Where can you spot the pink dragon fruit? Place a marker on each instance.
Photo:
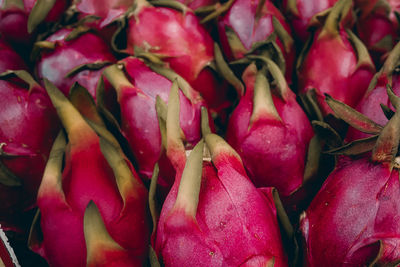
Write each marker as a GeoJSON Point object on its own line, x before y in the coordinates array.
{"type": "Point", "coordinates": [213, 215]}
{"type": "Point", "coordinates": [89, 167]}
{"type": "Point", "coordinates": [137, 87]}
{"type": "Point", "coordinates": [261, 25]}
{"type": "Point", "coordinates": [19, 18]}
{"type": "Point", "coordinates": [198, 4]}
{"type": "Point", "coordinates": [44, 11]}
{"type": "Point", "coordinates": [10, 197]}
{"type": "Point", "coordinates": [101, 16]}
{"type": "Point", "coordinates": [366, 6]}
{"type": "Point", "coordinates": [178, 39]}
{"type": "Point", "coordinates": [302, 14]}
{"type": "Point", "coordinates": [370, 104]}
{"type": "Point", "coordinates": [66, 59]}
{"type": "Point", "coordinates": [377, 31]}
{"type": "Point", "coordinates": [13, 22]}
{"type": "Point", "coordinates": [392, 6]}
{"type": "Point", "coordinates": [353, 220]}
{"type": "Point", "coordinates": [10, 60]}
{"type": "Point", "coordinates": [102, 250]}
{"type": "Point", "coordinates": [28, 126]}
{"type": "Point", "coordinates": [107, 11]}
{"type": "Point", "coordinates": [335, 62]}
{"type": "Point", "coordinates": [395, 9]}
{"type": "Point", "coordinates": [270, 131]}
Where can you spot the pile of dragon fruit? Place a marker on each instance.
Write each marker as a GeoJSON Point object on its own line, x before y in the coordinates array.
{"type": "Point", "coordinates": [199, 133]}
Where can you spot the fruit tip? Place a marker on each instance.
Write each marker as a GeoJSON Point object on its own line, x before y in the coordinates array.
{"type": "Point", "coordinates": [189, 187]}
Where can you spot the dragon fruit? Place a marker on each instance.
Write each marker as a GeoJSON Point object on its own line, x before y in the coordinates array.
{"type": "Point", "coordinates": [270, 131]}
{"type": "Point", "coordinates": [10, 60]}
{"type": "Point", "coordinates": [302, 14]}
{"type": "Point", "coordinates": [261, 28]}
{"type": "Point", "coordinates": [107, 11]}
{"type": "Point", "coordinates": [10, 197]}
{"type": "Point", "coordinates": [335, 62]}
{"type": "Point", "coordinates": [90, 166]}
{"type": "Point", "coordinates": [395, 9]}
{"type": "Point", "coordinates": [392, 6]}
{"type": "Point", "coordinates": [44, 11]}
{"type": "Point", "coordinates": [213, 214]}
{"type": "Point", "coordinates": [28, 126]}
{"type": "Point", "coordinates": [137, 87]}
{"type": "Point", "coordinates": [177, 38]}
{"type": "Point", "coordinates": [370, 104]}
{"type": "Point", "coordinates": [102, 250]}
{"type": "Point", "coordinates": [19, 18]}
{"type": "Point", "coordinates": [353, 220]}
{"type": "Point", "coordinates": [70, 56]}
{"type": "Point", "coordinates": [198, 4]}
{"type": "Point", "coordinates": [102, 17]}
{"type": "Point", "coordinates": [13, 22]}
{"type": "Point", "coordinates": [377, 30]}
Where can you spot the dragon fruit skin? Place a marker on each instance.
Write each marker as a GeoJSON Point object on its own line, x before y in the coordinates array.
{"type": "Point", "coordinates": [347, 85]}
{"type": "Point", "coordinates": [395, 7]}
{"type": "Point", "coordinates": [378, 32]}
{"type": "Point", "coordinates": [26, 138]}
{"type": "Point", "coordinates": [370, 106]}
{"type": "Point", "coordinates": [56, 63]}
{"type": "Point", "coordinates": [353, 220]}
{"type": "Point", "coordinates": [107, 11]}
{"type": "Point", "coordinates": [250, 30]}
{"type": "Point", "coordinates": [95, 170]}
{"type": "Point", "coordinates": [14, 19]}
{"type": "Point", "coordinates": [192, 38]}
{"type": "Point", "coordinates": [54, 13]}
{"type": "Point", "coordinates": [301, 12]}
{"type": "Point", "coordinates": [195, 4]}
{"type": "Point", "coordinates": [10, 197]}
{"type": "Point", "coordinates": [30, 133]}
{"type": "Point", "coordinates": [371, 38]}
{"type": "Point", "coordinates": [10, 59]}
{"type": "Point", "coordinates": [213, 214]}
{"type": "Point", "coordinates": [102, 248]}
{"type": "Point", "coordinates": [376, 94]}
{"type": "Point", "coordinates": [181, 42]}
{"type": "Point", "coordinates": [268, 144]}
{"type": "Point", "coordinates": [387, 7]}
{"type": "Point", "coordinates": [139, 119]}
{"type": "Point", "coordinates": [214, 234]}
{"type": "Point", "coordinates": [336, 63]}
{"type": "Point", "coordinates": [154, 84]}
{"type": "Point", "coordinates": [353, 216]}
